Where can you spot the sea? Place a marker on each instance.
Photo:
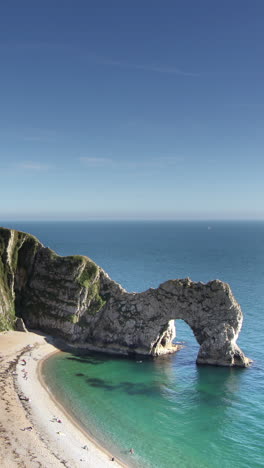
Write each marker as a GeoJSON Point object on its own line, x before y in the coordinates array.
{"type": "Point", "coordinates": [172, 412]}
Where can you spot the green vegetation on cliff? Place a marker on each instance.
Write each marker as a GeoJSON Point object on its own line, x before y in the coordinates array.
{"type": "Point", "coordinates": [7, 320]}
{"type": "Point", "coordinates": [89, 278]}
{"type": "Point", "coordinates": [7, 315]}
{"type": "Point", "coordinates": [44, 288]}
{"type": "Point", "coordinates": [17, 252]}
{"type": "Point", "coordinates": [89, 273]}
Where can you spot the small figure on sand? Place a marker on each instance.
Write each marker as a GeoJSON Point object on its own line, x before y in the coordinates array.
{"type": "Point", "coordinates": [23, 362]}
{"type": "Point", "coordinates": [131, 451]}
{"type": "Point", "coordinates": [22, 397]}
{"type": "Point", "coordinates": [56, 419]}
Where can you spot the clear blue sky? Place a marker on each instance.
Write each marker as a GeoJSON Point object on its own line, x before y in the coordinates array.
{"type": "Point", "coordinates": [132, 109]}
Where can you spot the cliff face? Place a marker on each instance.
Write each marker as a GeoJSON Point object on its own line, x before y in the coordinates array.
{"type": "Point", "coordinates": [73, 298]}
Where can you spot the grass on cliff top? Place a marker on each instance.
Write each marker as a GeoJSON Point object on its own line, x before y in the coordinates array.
{"type": "Point", "coordinates": [88, 274]}
{"type": "Point", "coordinates": [5, 234]}
{"type": "Point", "coordinates": [19, 239]}
{"type": "Point", "coordinates": [89, 271]}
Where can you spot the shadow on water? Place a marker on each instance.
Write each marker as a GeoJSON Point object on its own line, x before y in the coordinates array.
{"type": "Point", "coordinates": [130, 388]}
{"type": "Point", "coordinates": [216, 386]}
{"type": "Point", "coordinates": [98, 357]}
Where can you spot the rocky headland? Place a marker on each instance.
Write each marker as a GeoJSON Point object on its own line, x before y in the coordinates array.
{"type": "Point", "coordinates": [73, 298]}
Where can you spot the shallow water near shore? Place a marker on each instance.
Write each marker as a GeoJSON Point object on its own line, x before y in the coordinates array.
{"type": "Point", "coordinates": [170, 411]}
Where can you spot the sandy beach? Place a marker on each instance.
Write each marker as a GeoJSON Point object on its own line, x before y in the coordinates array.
{"type": "Point", "coordinates": [35, 431]}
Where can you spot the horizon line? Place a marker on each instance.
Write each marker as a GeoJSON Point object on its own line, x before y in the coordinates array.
{"type": "Point", "coordinates": [131, 219]}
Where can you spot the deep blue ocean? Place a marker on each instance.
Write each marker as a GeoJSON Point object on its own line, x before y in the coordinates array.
{"type": "Point", "coordinates": [172, 412]}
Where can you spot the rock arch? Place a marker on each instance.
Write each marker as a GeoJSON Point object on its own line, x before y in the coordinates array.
{"type": "Point", "coordinates": [144, 322]}
{"type": "Point", "coordinates": [73, 298]}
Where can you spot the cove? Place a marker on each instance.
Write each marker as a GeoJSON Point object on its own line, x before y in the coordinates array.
{"type": "Point", "coordinates": [203, 416]}
{"type": "Point", "coordinates": [172, 412]}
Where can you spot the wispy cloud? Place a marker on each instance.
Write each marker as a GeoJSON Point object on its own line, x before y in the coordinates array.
{"type": "Point", "coordinates": [147, 163]}
{"type": "Point", "coordinates": [154, 163]}
{"type": "Point", "coordinates": [147, 67]}
{"type": "Point", "coordinates": [38, 134]}
{"type": "Point", "coordinates": [33, 166]}
{"type": "Point", "coordinates": [29, 134]}
{"type": "Point", "coordinates": [170, 159]}
{"type": "Point", "coordinates": [94, 162]}
{"type": "Point", "coordinates": [93, 57]}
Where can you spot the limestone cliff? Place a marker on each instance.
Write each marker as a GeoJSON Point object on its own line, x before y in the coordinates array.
{"type": "Point", "coordinates": [73, 298]}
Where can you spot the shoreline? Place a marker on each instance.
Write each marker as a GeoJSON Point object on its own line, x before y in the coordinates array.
{"type": "Point", "coordinates": [30, 432]}
{"type": "Point", "coordinates": [71, 417]}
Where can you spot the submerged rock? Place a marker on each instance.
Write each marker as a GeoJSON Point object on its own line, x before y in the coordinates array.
{"type": "Point", "coordinates": [75, 299]}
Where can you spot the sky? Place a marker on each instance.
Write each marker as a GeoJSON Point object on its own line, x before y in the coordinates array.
{"type": "Point", "coordinates": [121, 109]}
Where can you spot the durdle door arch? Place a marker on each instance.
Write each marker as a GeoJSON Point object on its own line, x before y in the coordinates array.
{"type": "Point", "coordinates": [73, 298]}
{"type": "Point", "coordinates": [211, 311]}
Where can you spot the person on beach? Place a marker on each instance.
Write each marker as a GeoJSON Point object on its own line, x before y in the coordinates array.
{"type": "Point", "coordinates": [56, 419]}
{"type": "Point", "coordinates": [131, 451]}
{"type": "Point", "coordinates": [21, 397]}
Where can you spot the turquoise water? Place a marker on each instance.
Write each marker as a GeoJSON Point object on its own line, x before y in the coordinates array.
{"type": "Point", "coordinates": [170, 411]}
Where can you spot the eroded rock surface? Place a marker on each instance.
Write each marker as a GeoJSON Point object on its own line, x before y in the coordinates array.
{"type": "Point", "coordinates": [73, 298]}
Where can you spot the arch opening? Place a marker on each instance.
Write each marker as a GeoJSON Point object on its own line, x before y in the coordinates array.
{"type": "Point", "coordinates": [185, 334]}
{"type": "Point", "coordinates": [178, 334]}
